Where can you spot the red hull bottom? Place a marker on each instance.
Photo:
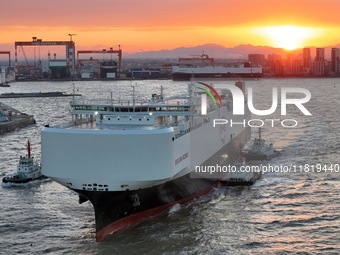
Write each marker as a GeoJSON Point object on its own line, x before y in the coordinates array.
{"type": "Point", "coordinates": [135, 218]}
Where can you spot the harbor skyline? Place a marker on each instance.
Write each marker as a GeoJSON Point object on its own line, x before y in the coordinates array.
{"type": "Point", "coordinates": [153, 25]}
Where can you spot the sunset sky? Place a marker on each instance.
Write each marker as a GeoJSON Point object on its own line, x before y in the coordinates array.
{"type": "Point", "coordinates": [143, 25]}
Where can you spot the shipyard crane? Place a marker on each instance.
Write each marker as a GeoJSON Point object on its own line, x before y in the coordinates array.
{"type": "Point", "coordinates": [23, 52]}
{"type": "Point", "coordinates": [9, 57]}
{"type": "Point", "coordinates": [104, 51]}
{"type": "Point", "coordinates": [69, 45]}
{"type": "Point", "coordinates": [70, 35]}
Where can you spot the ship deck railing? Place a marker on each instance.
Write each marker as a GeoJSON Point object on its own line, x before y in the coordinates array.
{"type": "Point", "coordinates": [91, 124]}
{"type": "Point", "coordinates": [174, 100]}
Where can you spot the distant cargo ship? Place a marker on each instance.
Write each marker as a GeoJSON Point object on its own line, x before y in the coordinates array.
{"type": "Point", "coordinates": [215, 72]}
{"type": "Point", "coordinates": [203, 67]}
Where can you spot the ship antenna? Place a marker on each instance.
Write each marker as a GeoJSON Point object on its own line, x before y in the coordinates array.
{"type": "Point", "coordinates": [133, 96]}
{"type": "Point", "coordinates": [241, 151]}
{"type": "Point", "coordinates": [74, 92]}
{"type": "Point", "coordinates": [28, 149]}
{"type": "Point", "coordinates": [259, 133]}
{"type": "Point", "coordinates": [162, 92]}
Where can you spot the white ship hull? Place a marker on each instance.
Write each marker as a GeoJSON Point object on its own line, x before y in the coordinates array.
{"type": "Point", "coordinates": [130, 169]}
{"type": "Point", "coordinates": [113, 159]}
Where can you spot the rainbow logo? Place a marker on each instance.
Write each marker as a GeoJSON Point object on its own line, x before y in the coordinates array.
{"type": "Point", "coordinates": [204, 97]}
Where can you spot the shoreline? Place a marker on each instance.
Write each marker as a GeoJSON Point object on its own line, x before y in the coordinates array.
{"type": "Point", "coordinates": [16, 119]}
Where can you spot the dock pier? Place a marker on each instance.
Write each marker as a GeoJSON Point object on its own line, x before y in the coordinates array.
{"type": "Point", "coordinates": [16, 119]}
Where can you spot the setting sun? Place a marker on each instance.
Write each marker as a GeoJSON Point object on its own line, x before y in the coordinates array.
{"type": "Point", "coordinates": [288, 37]}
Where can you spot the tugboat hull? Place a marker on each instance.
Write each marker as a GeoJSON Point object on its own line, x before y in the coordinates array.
{"type": "Point", "coordinates": [250, 157]}
{"type": "Point", "coordinates": [240, 181]}
{"type": "Point", "coordinates": [16, 180]}
{"type": "Point", "coordinates": [259, 156]}
{"type": "Point", "coordinates": [20, 180]}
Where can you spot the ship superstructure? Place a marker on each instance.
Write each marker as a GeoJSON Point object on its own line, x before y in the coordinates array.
{"type": "Point", "coordinates": [135, 159]}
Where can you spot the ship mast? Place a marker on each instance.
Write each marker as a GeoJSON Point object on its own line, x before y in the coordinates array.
{"type": "Point", "coordinates": [133, 96]}
{"type": "Point", "coordinates": [74, 92]}
{"type": "Point", "coordinates": [259, 133]}
{"type": "Point", "coordinates": [162, 93]}
{"type": "Point", "coordinates": [28, 149]}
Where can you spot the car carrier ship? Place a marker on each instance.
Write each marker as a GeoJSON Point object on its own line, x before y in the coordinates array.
{"type": "Point", "coordinates": [204, 67]}
{"type": "Point", "coordinates": [133, 160]}
{"type": "Point", "coordinates": [187, 73]}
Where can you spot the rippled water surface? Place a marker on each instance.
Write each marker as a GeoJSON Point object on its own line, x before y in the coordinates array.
{"type": "Point", "coordinates": [283, 213]}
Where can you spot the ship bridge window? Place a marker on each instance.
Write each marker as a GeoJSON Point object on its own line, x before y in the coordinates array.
{"type": "Point", "coordinates": [92, 108]}
{"type": "Point", "coordinates": [141, 109]}
{"type": "Point", "coordinates": [122, 109]}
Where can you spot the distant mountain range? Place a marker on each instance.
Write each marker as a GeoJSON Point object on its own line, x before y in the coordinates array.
{"type": "Point", "coordinates": [218, 51]}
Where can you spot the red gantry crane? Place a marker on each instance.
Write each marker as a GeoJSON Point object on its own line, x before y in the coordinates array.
{"type": "Point", "coordinates": [111, 51]}
{"type": "Point", "coordinates": [9, 57]}
{"type": "Point", "coordinates": [70, 50]}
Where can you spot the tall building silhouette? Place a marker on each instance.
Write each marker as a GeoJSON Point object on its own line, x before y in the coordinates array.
{"type": "Point", "coordinates": [257, 59]}
{"type": "Point", "coordinates": [320, 64]}
{"type": "Point", "coordinates": [307, 59]}
{"type": "Point", "coordinates": [275, 63]}
{"type": "Point", "coordinates": [335, 60]}
{"type": "Point", "coordinates": [320, 54]}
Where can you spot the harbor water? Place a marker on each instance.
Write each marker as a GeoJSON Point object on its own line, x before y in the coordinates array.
{"type": "Point", "coordinates": [296, 212]}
